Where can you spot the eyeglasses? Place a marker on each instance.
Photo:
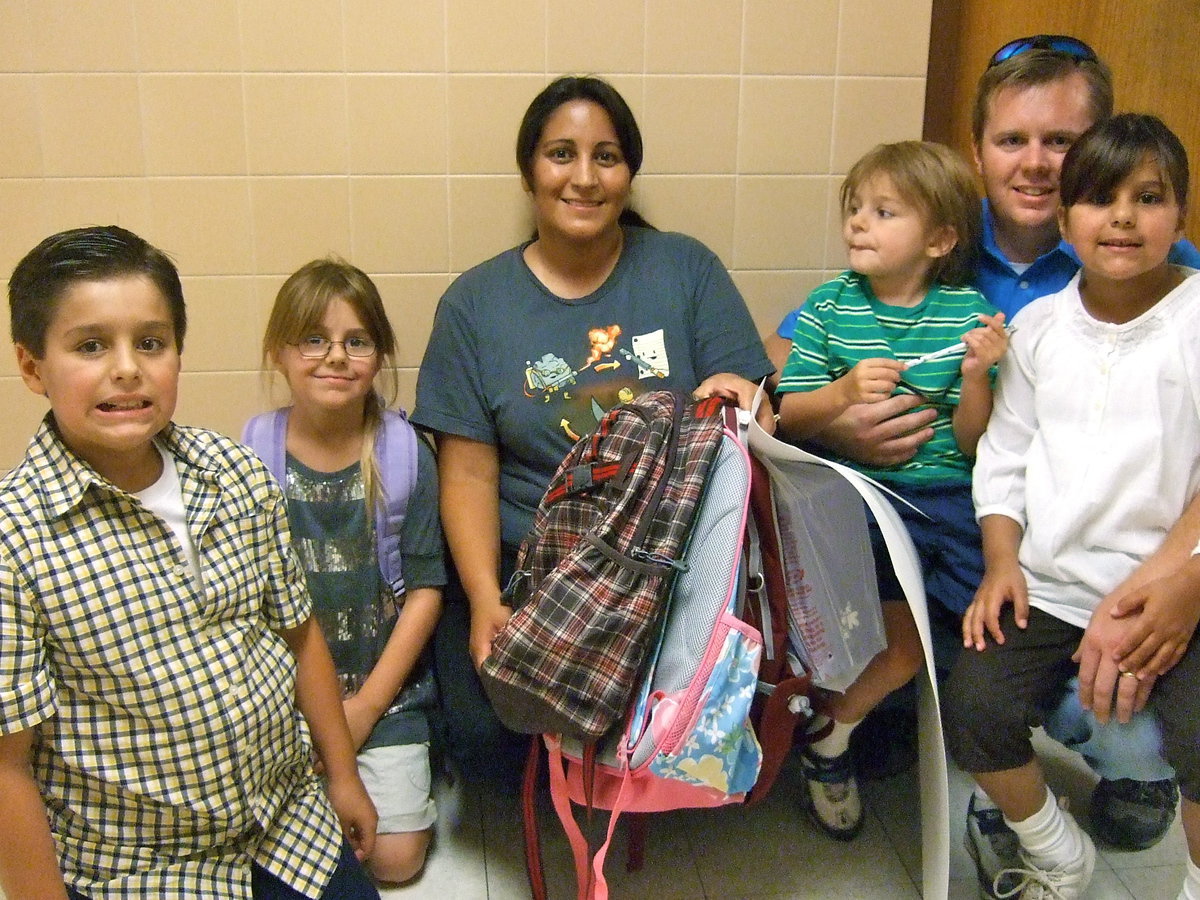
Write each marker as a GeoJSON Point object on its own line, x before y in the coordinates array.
{"type": "Point", "coordinates": [317, 346]}
{"type": "Point", "coordinates": [1056, 43]}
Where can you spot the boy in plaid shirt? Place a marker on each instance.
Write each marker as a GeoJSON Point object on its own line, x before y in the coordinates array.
{"type": "Point", "coordinates": [156, 644]}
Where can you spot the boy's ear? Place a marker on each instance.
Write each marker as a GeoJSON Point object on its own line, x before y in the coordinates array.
{"type": "Point", "coordinates": [30, 368]}
{"type": "Point", "coordinates": [1061, 215]}
{"type": "Point", "coordinates": [941, 241]}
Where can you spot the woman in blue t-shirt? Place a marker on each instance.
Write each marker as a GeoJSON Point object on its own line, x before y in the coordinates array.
{"type": "Point", "coordinates": [530, 348]}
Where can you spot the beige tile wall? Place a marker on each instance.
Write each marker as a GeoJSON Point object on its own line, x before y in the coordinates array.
{"type": "Point", "coordinates": [248, 136]}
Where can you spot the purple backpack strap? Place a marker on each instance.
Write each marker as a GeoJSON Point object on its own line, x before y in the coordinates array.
{"type": "Point", "coordinates": [396, 456]}
{"type": "Point", "coordinates": [266, 435]}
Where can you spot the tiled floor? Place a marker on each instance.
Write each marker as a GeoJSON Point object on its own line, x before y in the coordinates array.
{"type": "Point", "coordinates": [769, 852]}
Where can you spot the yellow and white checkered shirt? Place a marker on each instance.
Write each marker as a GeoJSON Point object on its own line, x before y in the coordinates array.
{"type": "Point", "coordinates": [169, 750]}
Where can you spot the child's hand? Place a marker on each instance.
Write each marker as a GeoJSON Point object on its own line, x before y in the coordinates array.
{"type": "Point", "coordinates": [1164, 615]}
{"type": "Point", "coordinates": [355, 811]}
{"type": "Point", "coordinates": [1001, 584]}
{"type": "Point", "coordinates": [985, 345]}
{"type": "Point", "coordinates": [871, 380]}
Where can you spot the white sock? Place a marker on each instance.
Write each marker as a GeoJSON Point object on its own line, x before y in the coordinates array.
{"type": "Point", "coordinates": [1047, 837]}
{"type": "Point", "coordinates": [1191, 883]}
{"type": "Point", "coordinates": [837, 741]}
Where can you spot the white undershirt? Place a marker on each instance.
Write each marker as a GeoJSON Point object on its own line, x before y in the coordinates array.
{"type": "Point", "coordinates": [165, 498]}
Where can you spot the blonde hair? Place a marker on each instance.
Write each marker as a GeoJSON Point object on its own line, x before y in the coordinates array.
{"type": "Point", "coordinates": [299, 308]}
{"type": "Point", "coordinates": [939, 182]}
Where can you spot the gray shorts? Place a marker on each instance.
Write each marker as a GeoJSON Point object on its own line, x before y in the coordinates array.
{"type": "Point", "coordinates": [994, 697]}
{"type": "Point", "coordinates": [398, 780]}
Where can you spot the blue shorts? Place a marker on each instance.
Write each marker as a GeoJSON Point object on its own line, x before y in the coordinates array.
{"type": "Point", "coordinates": [947, 542]}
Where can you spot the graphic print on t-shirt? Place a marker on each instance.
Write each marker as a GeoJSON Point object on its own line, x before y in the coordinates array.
{"type": "Point", "coordinates": [610, 371]}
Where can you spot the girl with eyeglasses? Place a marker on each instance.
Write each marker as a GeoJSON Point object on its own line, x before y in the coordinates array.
{"type": "Point", "coordinates": [330, 339]}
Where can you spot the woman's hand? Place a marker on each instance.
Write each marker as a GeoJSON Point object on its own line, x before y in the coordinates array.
{"type": "Point", "coordinates": [742, 391]}
{"type": "Point", "coordinates": [1102, 686]}
{"type": "Point", "coordinates": [469, 473]}
{"type": "Point", "coordinates": [486, 622]}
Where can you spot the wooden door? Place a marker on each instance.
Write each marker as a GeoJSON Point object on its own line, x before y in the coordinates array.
{"type": "Point", "coordinates": [1152, 47]}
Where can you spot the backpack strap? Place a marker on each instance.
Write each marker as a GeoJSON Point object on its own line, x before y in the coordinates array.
{"type": "Point", "coordinates": [266, 435]}
{"type": "Point", "coordinates": [396, 456]}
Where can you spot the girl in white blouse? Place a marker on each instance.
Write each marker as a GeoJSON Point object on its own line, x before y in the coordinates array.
{"type": "Point", "coordinates": [1091, 455]}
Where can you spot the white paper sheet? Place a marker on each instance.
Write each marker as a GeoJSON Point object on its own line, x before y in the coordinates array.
{"type": "Point", "coordinates": [935, 790]}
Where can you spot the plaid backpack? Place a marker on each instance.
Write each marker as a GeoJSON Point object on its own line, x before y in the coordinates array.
{"type": "Point", "coordinates": [678, 730]}
{"type": "Point", "coordinates": [593, 575]}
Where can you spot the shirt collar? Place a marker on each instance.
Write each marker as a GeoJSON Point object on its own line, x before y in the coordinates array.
{"type": "Point", "coordinates": [993, 249]}
{"type": "Point", "coordinates": [64, 479]}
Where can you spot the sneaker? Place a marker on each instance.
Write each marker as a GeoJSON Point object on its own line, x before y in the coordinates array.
{"type": "Point", "coordinates": [1133, 815]}
{"type": "Point", "coordinates": [833, 801]}
{"type": "Point", "coordinates": [992, 846]}
{"type": "Point", "coordinates": [1066, 882]}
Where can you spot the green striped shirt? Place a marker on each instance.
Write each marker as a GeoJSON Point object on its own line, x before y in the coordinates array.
{"type": "Point", "coordinates": [843, 323]}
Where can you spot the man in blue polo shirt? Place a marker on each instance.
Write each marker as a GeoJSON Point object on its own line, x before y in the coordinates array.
{"type": "Point", "coordinates": [1036, 97]}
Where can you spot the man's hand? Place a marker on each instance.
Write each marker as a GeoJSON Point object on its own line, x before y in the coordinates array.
{"type": "Point", "coordinates": [880, 434]}
{"type": "Point", "coordinates": [1162, 618]}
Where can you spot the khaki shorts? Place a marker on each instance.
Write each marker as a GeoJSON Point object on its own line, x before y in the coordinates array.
{"type": "Point", "coordinates": [398, 780]}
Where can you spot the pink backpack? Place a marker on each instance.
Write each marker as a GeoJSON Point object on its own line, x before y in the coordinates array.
{"type": "Point", "coordinates": [691, 735]}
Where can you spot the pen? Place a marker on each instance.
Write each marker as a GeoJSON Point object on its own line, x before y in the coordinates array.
{"type": "Point", "coordinates": [952, 350]}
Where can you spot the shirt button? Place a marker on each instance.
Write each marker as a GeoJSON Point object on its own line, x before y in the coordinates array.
{"type": "Point", "coordinates": [1024, 285]}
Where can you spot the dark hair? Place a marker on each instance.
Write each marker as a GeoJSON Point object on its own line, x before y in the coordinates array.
{"type": "Point", "coordinates": [939, 182]}
{"type": "Point", "coordinates": [94, 253]}
{"type": "Point", "coordinates": [595, 90]}
{"type": "Point", "coordinates": [1033, 68]}
{"type": "Point", "coordinates": [1108, 153]}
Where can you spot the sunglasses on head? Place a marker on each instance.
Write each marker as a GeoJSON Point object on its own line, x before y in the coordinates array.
{"type": "Point", "coordinates": [1056, 43]}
